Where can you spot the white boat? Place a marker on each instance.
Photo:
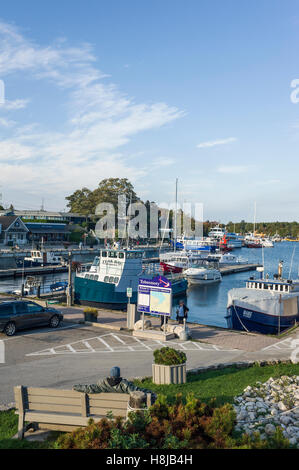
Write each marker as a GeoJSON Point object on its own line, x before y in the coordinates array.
{"type": "Point", "coordinates": [234, 240]}
{"type": "Point", "coordinates": [229, 259]}
{"type": "Point", "coordinates": [177, 261]}
{"type": "Point", "coordinates": [216, 233]}
{"type": "Point", "coordinates": [267, 243]}
{"type": "Point", "coordinates": [201, 275]}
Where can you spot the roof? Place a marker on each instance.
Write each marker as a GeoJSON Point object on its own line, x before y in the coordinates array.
{"type": "Point", "coordinates": [46, 228]}
{"type": "Point", "coordinates": [7, 220]}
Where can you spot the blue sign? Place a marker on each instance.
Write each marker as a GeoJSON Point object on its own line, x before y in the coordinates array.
{"type": "Point", "coordinates": [155, 296]}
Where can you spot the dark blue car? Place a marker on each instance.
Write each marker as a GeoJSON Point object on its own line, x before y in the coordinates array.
{"type": "Point", "coordinates": [20, 315]}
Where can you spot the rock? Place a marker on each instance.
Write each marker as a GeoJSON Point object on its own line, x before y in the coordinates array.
{"type": "Point", "coordinates": [293, 441]}
{"type": "Point", "coordinates": [270, 429]}
{"type": "Point", "coordinates": [282, 406]}
{"type": "Point", "coordinates": [138, 325]}
{"type": "Point", "coordinates": [285, 420]}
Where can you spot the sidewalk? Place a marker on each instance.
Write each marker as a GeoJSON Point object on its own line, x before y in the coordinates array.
{"type": "Point", "coordinates": [249, 342]}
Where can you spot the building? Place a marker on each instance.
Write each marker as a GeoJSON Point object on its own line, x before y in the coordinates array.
{"type": "Point", "coordinates": [47, 233]}
{"type": "Point", "coordinates": [47, 216]}
{"type": "Point", "coordinates": [13, 231]}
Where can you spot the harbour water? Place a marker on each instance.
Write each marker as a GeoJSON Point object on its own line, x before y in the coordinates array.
{"type": "Point", "coordinates": [207, 305]}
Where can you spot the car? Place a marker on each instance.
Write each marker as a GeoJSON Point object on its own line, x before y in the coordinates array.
{"type": "Point", "coordinates": [20, 315]}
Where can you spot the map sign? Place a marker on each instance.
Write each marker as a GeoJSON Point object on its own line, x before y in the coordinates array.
{"type": "Point", "coordinates": [155, 296]}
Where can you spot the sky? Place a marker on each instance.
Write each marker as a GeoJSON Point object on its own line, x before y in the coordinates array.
{"type": "Point", "coordinates": [152, 90]}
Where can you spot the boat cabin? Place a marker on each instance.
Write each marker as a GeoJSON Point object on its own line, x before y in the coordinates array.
{"type": "Point", "coordinates": [281, 286]}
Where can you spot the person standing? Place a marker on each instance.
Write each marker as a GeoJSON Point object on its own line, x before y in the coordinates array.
{"type": "Point", "coordinates": [182, 312]}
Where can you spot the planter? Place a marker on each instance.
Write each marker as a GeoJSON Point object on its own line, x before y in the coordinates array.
{"type": "Point", "coordinates": [90, 317]}
{"type": "Point", "coordinates": [169, 374]}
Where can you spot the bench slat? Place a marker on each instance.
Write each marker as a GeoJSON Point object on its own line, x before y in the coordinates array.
{"type": "Point", "coordinates": [109, 396]}
{"type": "Point", "coordinates": [55, 400]}
{"type": "Point", "coordinates": [108, 403]}
{"type": "Point", "coordinates": [103, 412]}
{"type": "Point", "coordinates": [52, 392]}
{"type": "Point", "coordinates": [36, 417]}
{"type": "Point", "coordinates": [54, 407]}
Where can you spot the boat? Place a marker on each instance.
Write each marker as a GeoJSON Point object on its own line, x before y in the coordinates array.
{"type": "Point", "coordinates": [216, 232]}
{"type": "Point", "coordinates": [253, 243]}
{"type": "Point", "coordinates": [233, 240]}
{"type": "Point", "coordinates": [267, 306]}
{"type": "Point", "coordinates": [33, 285]}
{"type": "Point", "coordinates": [177, 261]}
{"type": "Point", "coordinates": [267, 243]}
{"type": "Point", "coordinates": [111, 273]}
{"type": "Point", "coordinates": [40, 258]}
{"type": "Point", "coordinates": [228, 259]}
{"type": "Point", "coordinates": [202, 275]}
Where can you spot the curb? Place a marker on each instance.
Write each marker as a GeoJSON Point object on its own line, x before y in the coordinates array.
{"type": "Point", "coordinates": [107, 327]}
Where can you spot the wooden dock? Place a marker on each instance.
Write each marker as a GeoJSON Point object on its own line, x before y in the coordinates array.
{"type": "Point", "coordinates": [238, 268]}
{"type": "Point", "coordinates": [18, 272]}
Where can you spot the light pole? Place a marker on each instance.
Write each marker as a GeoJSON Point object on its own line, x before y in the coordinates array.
{"type": "Point", "coordinates": [69, 288]}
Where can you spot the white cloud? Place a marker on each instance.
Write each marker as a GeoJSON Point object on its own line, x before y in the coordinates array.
{"type": "Point", "coordinates": [99, 119]}
{"type": "Point", "coordinates": [213, 143]}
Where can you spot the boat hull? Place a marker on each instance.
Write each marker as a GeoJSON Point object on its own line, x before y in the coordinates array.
{"type": "Point", "coordinates": [105, 295]}
{"type": "Point", "coordinates": [201, 282]}
{"type": "Point", "coordinates": [239, 318]}
{"type": "Point", "coordinates": [168, 268]}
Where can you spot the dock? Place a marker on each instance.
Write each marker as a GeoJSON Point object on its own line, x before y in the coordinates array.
{"type": "Point", "coordinates": [238, 268]}
{"type": "Point", "coordinates": [19, 272]}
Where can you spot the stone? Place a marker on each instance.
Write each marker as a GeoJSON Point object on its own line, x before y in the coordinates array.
{"type": "Point", "coordinates": [139, 323]}
{"type": "Point", "coordinates": [270, 429]}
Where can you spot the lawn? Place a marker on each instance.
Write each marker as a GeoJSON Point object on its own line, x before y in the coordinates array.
{"type": "Point", "coordinates": [221, 385]}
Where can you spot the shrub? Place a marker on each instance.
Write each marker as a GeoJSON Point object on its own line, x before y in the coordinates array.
{"type": "Point", "coordinates": [91, 311]}
{"type": "Point", "coordinates": [169, 357]}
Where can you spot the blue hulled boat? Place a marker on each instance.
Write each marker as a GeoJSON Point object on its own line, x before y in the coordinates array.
{"type": "Point", "coordinates": [264, 306]}
{"type": "Point", "coordinates": [112, 272]}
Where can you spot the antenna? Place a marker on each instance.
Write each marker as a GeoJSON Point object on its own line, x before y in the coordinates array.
{"type": "Point", "coordinates": [292, 262]}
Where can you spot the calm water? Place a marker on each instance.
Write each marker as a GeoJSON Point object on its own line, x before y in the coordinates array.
{"type": "Point", "coordinates": [207, 305]}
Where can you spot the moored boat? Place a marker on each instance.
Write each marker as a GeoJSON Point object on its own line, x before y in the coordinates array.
{"type": "Point", "coordinates": [264, 306]}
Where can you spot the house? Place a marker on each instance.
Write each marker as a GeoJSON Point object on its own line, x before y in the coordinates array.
{"type": "Point", "coordinates": [47, 233]}
{"type": "Point", "coordinates": [47, 216]}
{"type": "Point", "coordinates": [12, 230]}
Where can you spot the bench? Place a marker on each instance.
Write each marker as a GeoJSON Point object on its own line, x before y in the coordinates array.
{"type": "Point", "coordinates": [66, 410]}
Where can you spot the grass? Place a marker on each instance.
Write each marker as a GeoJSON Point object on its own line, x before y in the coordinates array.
{"type": "Point", "coordinates": [221, 385]}
{"type": "Point", "coordinates": [9, 427]}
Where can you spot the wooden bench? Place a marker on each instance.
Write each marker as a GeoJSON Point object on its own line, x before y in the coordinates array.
{"type": "Point", "coordinates": [65, 410]}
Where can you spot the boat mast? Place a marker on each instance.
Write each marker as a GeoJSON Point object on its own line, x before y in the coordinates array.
{"type": "Point", "coordinates": [254, 222]}
{"type": "Point", "coordinates": [175, 214]}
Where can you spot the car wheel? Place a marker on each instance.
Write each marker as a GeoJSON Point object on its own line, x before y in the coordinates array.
{"type": "Point", "coordinates": [54, 322]}
{"type": "Point", "coordinates": [10, 329]}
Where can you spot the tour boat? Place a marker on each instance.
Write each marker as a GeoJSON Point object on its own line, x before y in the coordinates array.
{"type": "Point", "coordinates": [112, 272]}
{"type": "Point", "coordinates": [216, 232]}
{"type": "Point", "coordinates": [177, 261]}
{"type": "Point", "coordinates": [264, 306]}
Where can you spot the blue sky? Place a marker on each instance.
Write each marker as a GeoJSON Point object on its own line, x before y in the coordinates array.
{"type": "Point", "coordinates": [152, 90]}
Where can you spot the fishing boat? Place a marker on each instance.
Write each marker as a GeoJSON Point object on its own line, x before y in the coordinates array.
{"type": "Point", "coordinates": [267, 243]}
{"type": "Point", "coordinates": [39, 258]}
{"type": "Point", "coordinates": [33, 284]}
{"type": "Point", "coordinates": [202, 275]}
{"type": "Point", "coordinates": [267, 306]}
{"type": "Point", "coordinates": [111, 273]}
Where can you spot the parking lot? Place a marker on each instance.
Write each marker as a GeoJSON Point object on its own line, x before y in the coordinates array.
{"type": "Point", "coordinates": [75, 353]}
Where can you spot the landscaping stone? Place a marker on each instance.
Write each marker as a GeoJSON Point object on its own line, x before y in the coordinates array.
{"type": "Point", "coordinates": [264, 407]}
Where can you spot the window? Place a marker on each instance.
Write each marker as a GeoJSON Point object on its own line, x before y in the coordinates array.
{"type": "Point", "coordinates": [121, 255]}
{"type": "Point", "coordinates": [20, 308]}
{"type": "Point", "coordinates": [96, 277]}
{"type": "Point", "coordinates": [106, 279]}
{"type": "Point", "coordinates": [34, 308]}
{"type": "Point", "coordinates": [6, 309]}
{"type": "Point", "coordinates": [116, 279]}
{"type": "Point", "coordinates": [111, 279]}
{"type": "Point", "coordinates": [104, 254]}
{"type": "Point", "coordinates": [112, 254]}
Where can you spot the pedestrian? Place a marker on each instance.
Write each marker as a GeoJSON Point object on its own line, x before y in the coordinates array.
{"type": "Point", "coordinates": [182, 312]}
{"type": "Point", "coordinates": [162, 320]}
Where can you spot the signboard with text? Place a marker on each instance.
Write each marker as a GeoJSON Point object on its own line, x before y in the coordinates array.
{"type": "Point", "coordinates": [155, 296]}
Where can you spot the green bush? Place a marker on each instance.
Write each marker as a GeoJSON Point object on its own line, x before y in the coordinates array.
{"type": "Point", "coordinates": [91, 311]}
{"type": "Point", "coordinates": [169, 357]}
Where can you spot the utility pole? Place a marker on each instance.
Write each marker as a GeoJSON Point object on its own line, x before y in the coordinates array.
{"type": "Point", "coordinates": [70, 287]}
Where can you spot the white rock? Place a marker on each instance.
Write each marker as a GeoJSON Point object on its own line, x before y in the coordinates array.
{"type": "Point", "coordinates": [138, 325]}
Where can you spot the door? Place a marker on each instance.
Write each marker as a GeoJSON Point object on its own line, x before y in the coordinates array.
{"type": "Point", "coordinates": [37, 314]}
{"type": "Point", "coordinates": [22, 317]}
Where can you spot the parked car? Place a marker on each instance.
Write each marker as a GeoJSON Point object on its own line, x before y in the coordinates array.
{"type": "Point", "coordinates": [20, 315]}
